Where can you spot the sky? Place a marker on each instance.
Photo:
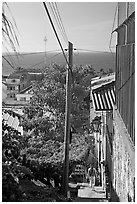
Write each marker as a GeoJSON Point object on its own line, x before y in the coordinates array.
{"type": "Point", "coordinates": [88, 25]}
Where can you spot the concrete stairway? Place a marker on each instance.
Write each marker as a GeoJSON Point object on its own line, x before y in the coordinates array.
{"type": "Point", "coordinates": [86, 194]}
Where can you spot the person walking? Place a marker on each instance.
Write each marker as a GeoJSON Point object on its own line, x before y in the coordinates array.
{"type": "Point", "coordinates": [92, 176]}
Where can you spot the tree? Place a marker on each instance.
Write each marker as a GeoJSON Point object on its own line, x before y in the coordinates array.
{"type": "Point", "coordinates": [110, 71]}
{"type": "Point", "coordinates": [43, 146]}
{"type": "Point", "coordinates": [49, 97]}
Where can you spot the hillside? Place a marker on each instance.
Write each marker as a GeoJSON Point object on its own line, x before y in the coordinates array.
{"type": "Point", "coordinates": [28, 60]}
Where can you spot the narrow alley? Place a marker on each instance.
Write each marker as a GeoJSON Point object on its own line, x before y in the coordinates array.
{"type": "Point", "coordinates": [68, 102]}
{"type": "Point", "coordinates": [86, 194]}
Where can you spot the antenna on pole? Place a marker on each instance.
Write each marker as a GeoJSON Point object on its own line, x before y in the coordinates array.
{"type": "Point", "coordinates": [45, 57]}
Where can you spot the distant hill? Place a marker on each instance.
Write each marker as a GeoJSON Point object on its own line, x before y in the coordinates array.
{"type": "Point", "coordinates": [27, 60]}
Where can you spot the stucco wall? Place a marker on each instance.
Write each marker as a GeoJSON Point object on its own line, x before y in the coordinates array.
{"type": "Point", "coordinates": [25, 96]}
{"type": "Point", "coordinates": [123, 161]}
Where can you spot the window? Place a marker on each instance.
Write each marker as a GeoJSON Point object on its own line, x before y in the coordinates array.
{"type": "Point", "coordinates": [22, 98]}
{"type": "Point", "coordinates": [11, 88]}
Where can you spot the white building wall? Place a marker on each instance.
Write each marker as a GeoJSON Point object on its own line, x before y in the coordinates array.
{"type": "Point", "coordinates": [25, 97]}
{"type": "Point", "coordinates": [123, 162]}
{"type": "Point", "coordinates": [12, 81]}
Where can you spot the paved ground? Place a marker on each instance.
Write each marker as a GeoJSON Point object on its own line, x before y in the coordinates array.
{"type": "Point", "coordinates": [86, 194]}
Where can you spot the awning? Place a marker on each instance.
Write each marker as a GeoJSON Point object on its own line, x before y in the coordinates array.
{"type": "Point", "coordinates": [130, 18]}
{"type": "Point", "coordinates": [103, 97]}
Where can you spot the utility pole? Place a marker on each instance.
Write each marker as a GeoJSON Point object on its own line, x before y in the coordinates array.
{"type": "Point", "coordinates": [67, 120]}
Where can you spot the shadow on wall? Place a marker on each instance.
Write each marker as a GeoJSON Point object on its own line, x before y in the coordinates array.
{"type": "Point", "coordinates": [110, 191]}
{"type": "Point", "coordinates": [114, 197]}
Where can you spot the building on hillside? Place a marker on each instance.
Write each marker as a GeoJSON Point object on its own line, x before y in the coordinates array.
{"type": "Point", "coordinates": [25, 95]}
{"type": "Point", "coordinates": [16, 82]}
{"type": "Point", "coordinates": [21, 99]}
{"type": "Point", "coordinates": [115, 103]}
{"type": "Point", "coordinates": [4, 77]}
{"type": "Point", "coordinates": [35, 75]}
{"type": "Point", "coordinates": [19, 82]}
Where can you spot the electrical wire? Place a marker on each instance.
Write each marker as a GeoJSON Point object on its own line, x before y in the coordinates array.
{"type": "Point", "coordinates": [8, 62]}
{"type": "Point", "coordinates": [113, 28]}
{"type": "Point", "coordinates": [54, 56]}
{"type": "Point", "coordinates": [33, 53]}
{"type": "Point", "coordinates": [61, 22]}
{"type": "Point", "coordinates": [57, 17]}
{"type": "Point", "coordinates": [126, 81]}
{"type": "Point", "coordinates": [92, 50]}
{"type": "Point", "coordinates": [52, 8]}
{"type": "Point", "coordinates": [38, 63]}
{"type": "Point", "coordinates": [22, 54]}
{"type": "Point", "coordinates": [55, 33]}
{"type": "Point", "coordinates": [47, 60]}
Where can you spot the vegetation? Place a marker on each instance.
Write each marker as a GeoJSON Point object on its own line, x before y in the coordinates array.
{"type": "Point", "coordinates": [44, 162]}
{"type": "Point", "coordinates": [38, 156]}
{"type": "Point", "coordinates": [40, 152]}
{"type": "Point", "coordinates": [48, 101]}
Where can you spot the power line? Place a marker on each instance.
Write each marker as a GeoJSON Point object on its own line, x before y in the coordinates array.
{"type": "Point", "coordinates": [8, 62]}
{"type": "Point", "coordinates": [34, 64]}
{"type": "Point", "coordinates": [44, 60]}
{"type": "Point", "coordinates": [126, 81]}
{"type": "Point", "coordinates": [53, 56]}
{"type": "Point", "coordinates": [40, 52]}
{"type": "Point", "coordinates": [55, 32]}
{"type": "Point", "coordinates": [61, 22]}
{"type": "Point", "coordinates": [57, 17]}
{"type": "Point", "coordinates": [38, 63]}
{"type": "Point", "coordinates": [113, 28]}
{"type": "Point", "coordinates": [32, 53]}
{"type": "Point", "coordinates": [92, 50]}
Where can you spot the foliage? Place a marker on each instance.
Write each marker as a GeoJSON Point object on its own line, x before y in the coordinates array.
{"type": "Point", "coordinates": [46, 158]}
{"type": "Point", "coordinates": [45, 117]}
{"type": "Point", "coordinates": [17, 171]}
{"type": "Point", "coordinates": [39, 154]}
{"type": "Point", "coordinates": [12, 142]}
{"type": "Point", "coordinates": [49, 99]}
{"type": "Point", "coordinates": [33, 157]}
